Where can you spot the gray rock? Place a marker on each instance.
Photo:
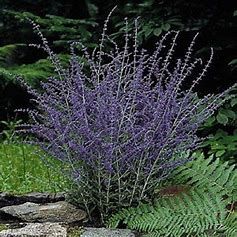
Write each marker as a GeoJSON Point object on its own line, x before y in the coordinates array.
{"type": "Point", "coordinates": [50, 212]}
{"type": "Point", "coordinates": [37, 230]}
{"type": "Point", "coordinates": [103, 232]}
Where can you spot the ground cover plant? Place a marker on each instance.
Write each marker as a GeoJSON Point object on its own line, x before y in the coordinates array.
{"type": "Point", "coordinates": [22, 171]}
{"type": "Point", "coordinates": [126, 125]}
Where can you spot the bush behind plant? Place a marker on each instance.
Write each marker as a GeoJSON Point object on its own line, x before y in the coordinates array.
{"type": "Point", "coordinates": [221, 126]}
{"type": "Point", "coordinates": [124, 126]}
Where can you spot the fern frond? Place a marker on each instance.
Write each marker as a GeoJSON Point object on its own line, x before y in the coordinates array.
{"type": "Point", "coordinates": [192, 212]}
{"type": "Point", "coordinates": [207, 174]}
{"type": "Point", "coordinates": [230, 225]}
{"type": "Point", "coordinates": [200, 210]}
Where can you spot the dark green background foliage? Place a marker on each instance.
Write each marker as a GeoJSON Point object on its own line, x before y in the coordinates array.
{"type": "Point", "coordinates": [63, 21]}
{"type": "Point", "coordinates": [222, 131]}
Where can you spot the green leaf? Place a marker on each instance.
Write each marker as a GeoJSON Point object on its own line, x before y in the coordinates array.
{"type": "Point", "coordinates": [222, 118]}
{"type": "Point", "coordinates": [157, 31]}
{"type": "Point", "coordinates": [230, 113]}
{"type": "Point", "coordinates": [234, 61]}
{"type": "Point", "coordinates": [209, 122]}
{"type": "Point", "coordinates": [165, 27]}
{"type": "Point", "coordinates": [233, 102]}
{"type": "Point", "coordinates": [235, 13]}
{"type": "Point", "coordinates": [220, 153]}
{"type": "Point", "coordinates": [148, 31]}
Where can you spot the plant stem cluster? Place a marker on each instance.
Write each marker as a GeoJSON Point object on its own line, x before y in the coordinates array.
{"type": "Point", "coordinates": [121, 121]}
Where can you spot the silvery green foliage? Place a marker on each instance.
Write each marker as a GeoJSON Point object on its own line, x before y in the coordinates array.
{"type": "Point", "coordinates": [119, 133]}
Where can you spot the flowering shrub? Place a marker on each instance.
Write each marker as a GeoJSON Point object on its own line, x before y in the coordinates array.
{"type": "Point", "coordinates": [126, 124]}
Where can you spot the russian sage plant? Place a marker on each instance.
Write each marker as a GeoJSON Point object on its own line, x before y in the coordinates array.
{"type": "Point", "coordinates": [123, 124]}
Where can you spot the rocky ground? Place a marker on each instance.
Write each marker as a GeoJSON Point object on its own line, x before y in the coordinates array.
{"type": "Point", "coordinates": [47, 215]}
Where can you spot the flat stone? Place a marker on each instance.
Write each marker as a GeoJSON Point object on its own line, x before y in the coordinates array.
{"type": "Point", "coordinates": [50, 212]}
{"type": "Point", "coordinates": [103, 232]}
{"type": "Point", "coordinates": [36, 230]}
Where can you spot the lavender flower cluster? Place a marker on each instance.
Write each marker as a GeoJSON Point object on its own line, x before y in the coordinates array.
{"type": "Point", "coordinates": [123, 124]}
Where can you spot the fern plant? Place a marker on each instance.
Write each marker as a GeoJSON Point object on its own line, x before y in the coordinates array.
{"type": "Point", "coordinates": [207, 174]}
{"type": "Point", "coordinates": [199, 201]}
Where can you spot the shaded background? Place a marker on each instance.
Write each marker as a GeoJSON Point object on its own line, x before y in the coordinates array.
{"type": "Point", "coordinates": [61, 21]}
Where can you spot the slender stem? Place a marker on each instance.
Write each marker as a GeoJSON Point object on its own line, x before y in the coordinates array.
{"type": "Point", "coordinates": [24, 161]}
{"type": "Point", "coordinates": [108, 193]}
{"type": "Point", "coordinates": [100, 194]}
{"type": "Point", "coordinates": [86, 206]}
{"type": "Point", "coordinates": [119, 183]}
{"type": "Point", "coordinates": [149, 175]}
{"type": "Point", "coordinates": [136, 181]}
